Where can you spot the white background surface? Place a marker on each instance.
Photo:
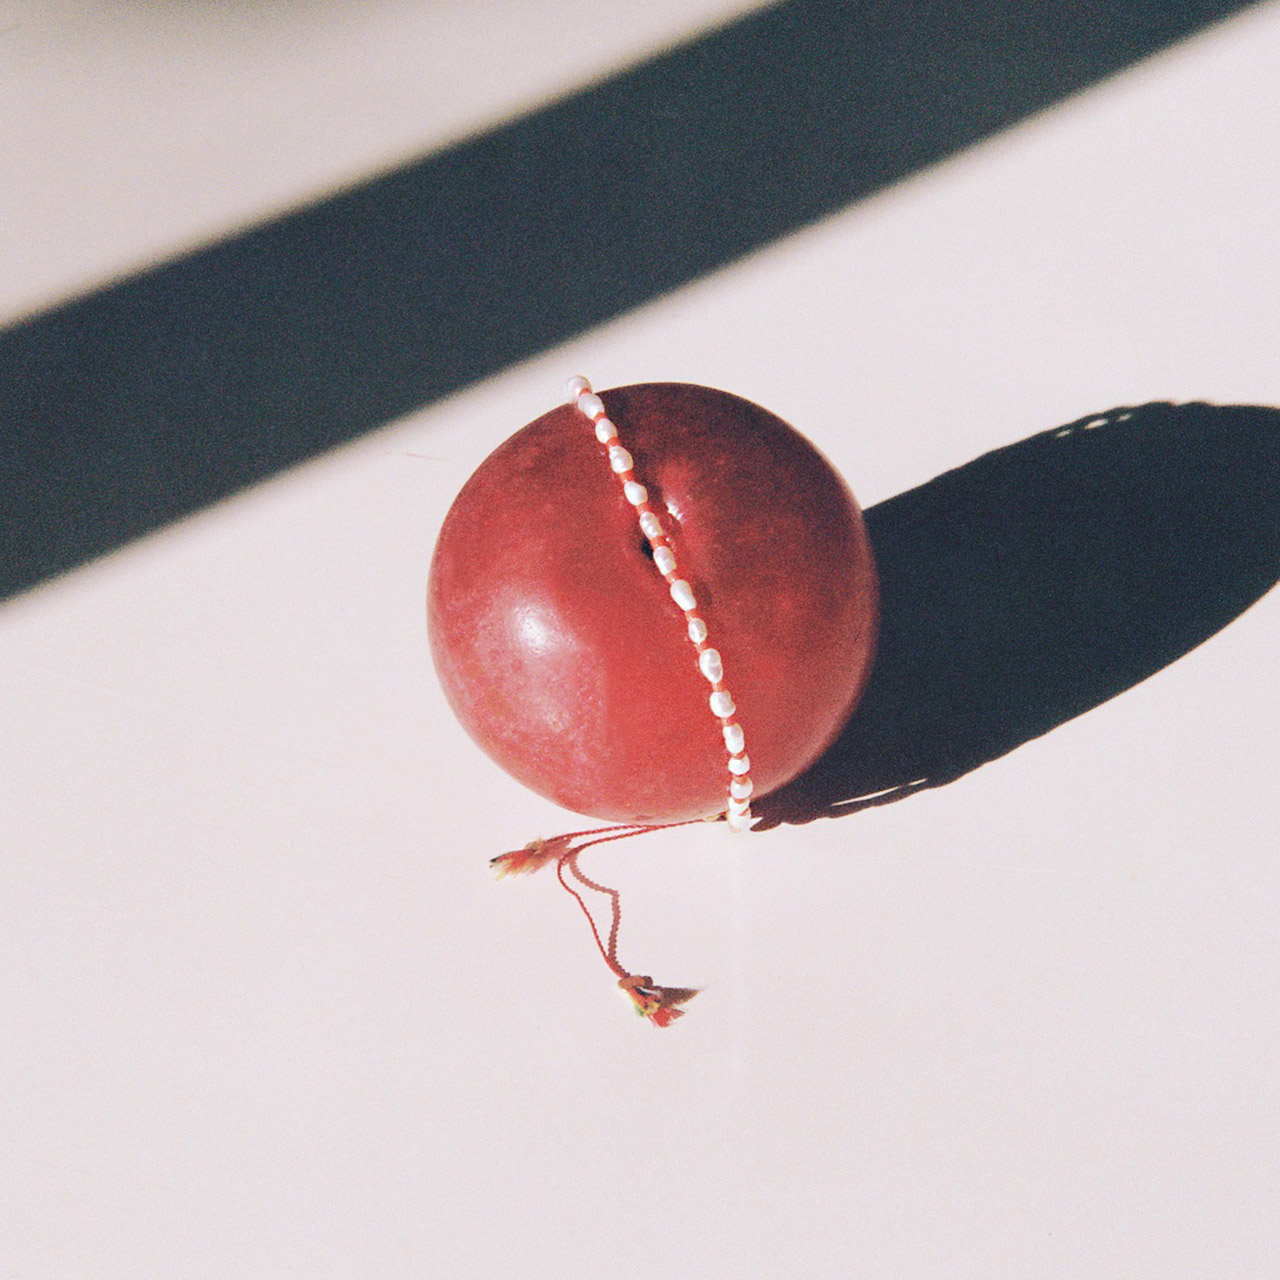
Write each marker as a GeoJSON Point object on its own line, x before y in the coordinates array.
{"type": "Point", "coordinates": [141, 129]}
{"type": "Point", "coordinates": [266, 1014]}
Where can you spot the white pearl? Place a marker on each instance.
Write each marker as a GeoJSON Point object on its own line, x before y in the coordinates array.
{"type": "Point", "coordinates": [722, 704]}
{"type": "Point", "coordinates": [650, 526]}
{"type": "Point", "coordinates": [710, 665]}
{"type": "Point", "coordinates": [734, 739]}
{"type": "Point", "coordinates": [635, 492]}
{"type": "Point", "coordinates": [739, 821]}
{"type": "Point", "coordinates": [605, 430]}
{"type": "Point", "coordinates": [591, 404]}
{"type": "Point", "coordinates": [619, 459]}
{"type": "Point", "coordinates": [576, 387]}
{"type": "Point", "coordinates": [741, 788]}
{"type": "Point", "coordinates": [739, 764]}
{"type": "Point", "coordinates": [697, 630]}
{"type": "Point", "coordinates": [665, 559]}
{"type": "Point", "coordinates": [681, 592]}
{"type": "Point", "coordinates": [739, 806]}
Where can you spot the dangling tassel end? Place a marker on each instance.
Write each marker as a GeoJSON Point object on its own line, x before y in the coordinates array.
{"type": "Point", "coordinates": [660, 1005]}
{"type": "Point", "coordinates": [541, 853]}
{"type": "Point", "coordinates": [533, 857]}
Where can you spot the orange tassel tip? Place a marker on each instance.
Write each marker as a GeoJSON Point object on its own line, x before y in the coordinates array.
{"type": "Point", "coordinates": [657, 1004]}
{"type": "Point", "coordinates": [533, 857]}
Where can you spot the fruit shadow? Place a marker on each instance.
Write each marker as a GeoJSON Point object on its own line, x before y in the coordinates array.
{"type": "Point", "coordinates": [1038, 581]}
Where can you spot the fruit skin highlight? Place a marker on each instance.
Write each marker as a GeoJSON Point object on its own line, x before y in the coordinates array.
{"type": "Point", "coordinates": [557, 641]}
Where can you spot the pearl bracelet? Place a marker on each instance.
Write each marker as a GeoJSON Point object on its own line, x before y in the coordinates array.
{"type": "Point", "coordinates": [738, 809]}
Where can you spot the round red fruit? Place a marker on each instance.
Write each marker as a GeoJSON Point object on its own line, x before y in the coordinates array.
{"type": "Point", "coordinates": [565, 651]}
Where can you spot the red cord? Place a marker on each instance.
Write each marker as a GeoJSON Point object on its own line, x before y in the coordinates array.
{"type": "Point", "coordinates": [657, 1003]}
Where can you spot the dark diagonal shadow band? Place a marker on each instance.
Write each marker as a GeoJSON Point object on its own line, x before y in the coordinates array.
{"type": "Point", "coordinates": [1039, 581]}
{"type": "Point", "coordinates": [130, 407]}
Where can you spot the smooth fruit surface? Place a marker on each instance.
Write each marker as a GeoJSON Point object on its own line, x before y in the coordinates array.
{"type": "Point", "coordinates": [557, 641]}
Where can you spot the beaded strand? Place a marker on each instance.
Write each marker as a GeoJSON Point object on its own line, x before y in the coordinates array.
{"type": "Point", "coordinates": [621, 463]}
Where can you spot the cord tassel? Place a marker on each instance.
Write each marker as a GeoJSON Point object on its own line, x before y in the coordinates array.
{"type": "Point", "coordinates": [658, 1004]}
{"type": "Point", "coordinates": [539, 853]}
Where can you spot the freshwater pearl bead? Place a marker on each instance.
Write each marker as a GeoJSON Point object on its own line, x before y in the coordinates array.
{"type": "Point", "coordinates": [710, 665]}
{"type": "Point", "coordinates": [605, 431]}
{"type": "Point", "coordinates": [722, 704]}
{"type": "Point", "coordinates": [682, 593]}
{"type": "Point", "coordinates": [665, 559]}
{"type": "Point", "coordinates": [635, 492]}
{"type": "Point", "coordinates": [650, 526]}
{"type": "Point", "coordinates": [591, 404]}
{"type": "Point", "coordinates": [734, 739]}
{"type": "Point", "coordinates": [576, 387]}
{"type": "Point", "coordinates": [741, 788]}
{"type": "Point", "coordinates": [739, 764]}
{"type": "Point", "coordinates": [619, 459]}
{"type": "Point", "coordinates": [697, 630]}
